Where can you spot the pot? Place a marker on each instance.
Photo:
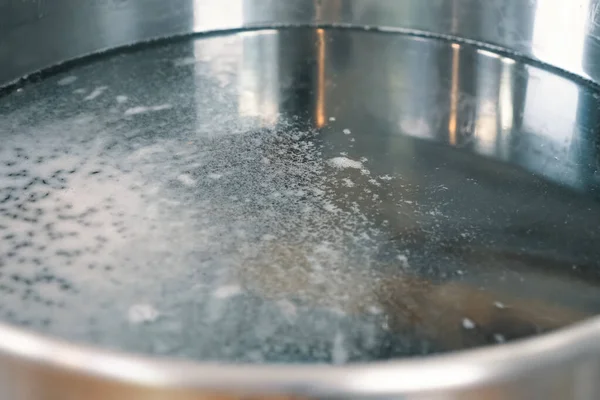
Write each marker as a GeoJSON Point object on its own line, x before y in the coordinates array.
{"type": "Point", "coordinates": [461, 214]}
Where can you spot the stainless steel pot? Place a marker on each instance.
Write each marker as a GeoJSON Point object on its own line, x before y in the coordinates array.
{"type": "Point", "coordinates": [559, 34]}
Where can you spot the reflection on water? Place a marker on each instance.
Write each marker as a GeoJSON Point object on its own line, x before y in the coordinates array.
{"type": "Point", "coordinates": [324, 195]}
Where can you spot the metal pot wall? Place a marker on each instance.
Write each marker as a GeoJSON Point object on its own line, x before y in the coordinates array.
{"type": "Point", "coordinates": [354, 78]}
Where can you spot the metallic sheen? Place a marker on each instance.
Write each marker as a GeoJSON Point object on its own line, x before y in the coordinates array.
{"type": "Point", "coordinates": [37, 34]}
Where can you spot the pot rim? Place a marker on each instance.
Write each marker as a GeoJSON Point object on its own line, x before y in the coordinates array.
{"type": "Point", "coordinates": [462, 369]}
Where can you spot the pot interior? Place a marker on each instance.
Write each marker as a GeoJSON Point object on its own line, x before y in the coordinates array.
{"type": "Point", "coordinates": [299, 195]}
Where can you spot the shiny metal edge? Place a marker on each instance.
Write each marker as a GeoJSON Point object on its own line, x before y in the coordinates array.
{"type": "Point", "coordinates": [564, 34]}
{"type": "Point", "coordinates": [460, 373]}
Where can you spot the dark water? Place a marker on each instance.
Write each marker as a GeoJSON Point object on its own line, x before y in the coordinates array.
{"type": "Point", "coordinates": [353, 196]}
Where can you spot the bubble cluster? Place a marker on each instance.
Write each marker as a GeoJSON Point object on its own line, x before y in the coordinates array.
{"type": "Point", "coordinates": [154, 228]}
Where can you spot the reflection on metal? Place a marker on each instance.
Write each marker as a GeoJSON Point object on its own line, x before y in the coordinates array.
{"type": "Point", "coordinates": [454, 94]}
{"type": "Point", "coordinates": [544, 95]}
{"type": "Point", "coordinates": [217, 15]}
{"type": "Point", "coordinates": [258, 72]}
{"type": "Point", "coordinates": [549, 133]}
{"type": "Point", "coordinates": [256, 69]}
{"type": "Point", "coordinates": [484, 103]}
{"type": "Point", "coordinates": [557, 31]}
{"type": "Point", "coordinates": [320, 114]}
{"type": "Point", "coordinates": [487, 53]}
{"type": "Point", "coordinates": [486, 127]}
{"type": "Point", "coordinates": [562, 28]}
{"type": "Point", "coordinates": [506, 107]}
{"type": "Point", "coordinates": [506, 101]}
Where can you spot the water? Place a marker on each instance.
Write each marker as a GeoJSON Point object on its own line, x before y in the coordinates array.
{"type": "Point", "coordinates": [234, 198]}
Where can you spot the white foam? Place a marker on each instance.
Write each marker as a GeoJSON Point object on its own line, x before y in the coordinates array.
{"type": "Point", "coordinates": [97, 92]}
{"type": "Point", "coordinates": [142, 313]}
{"type": "Point", "coordinates": [327, 206]}
{"type": "Point", "coordinates": [468, 323]}
{"type": "Point", "coordinates": [189, 240]}
{"type": "Point", "coordinates": [268, 238]}
{"type": "Point", "coordinates": [403, 260]}
{"type": "Point", "coordinates": [142, 109]}
{"type": "Point", "coordinates": [186, 179]}
{"type": "Point", "coordinates": [161, 107]}
{"type": "Point", "coordinates": [228, 291]}
{"type": "Point", "coordinates": [347, 182]}
{"type": "Point", "coordinates": [344, 163]}
{"type": "Point", "coordinates": [67, 80]}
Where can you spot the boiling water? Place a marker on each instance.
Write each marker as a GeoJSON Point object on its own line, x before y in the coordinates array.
{"type": "Point", "coordinates": [355, 196]}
